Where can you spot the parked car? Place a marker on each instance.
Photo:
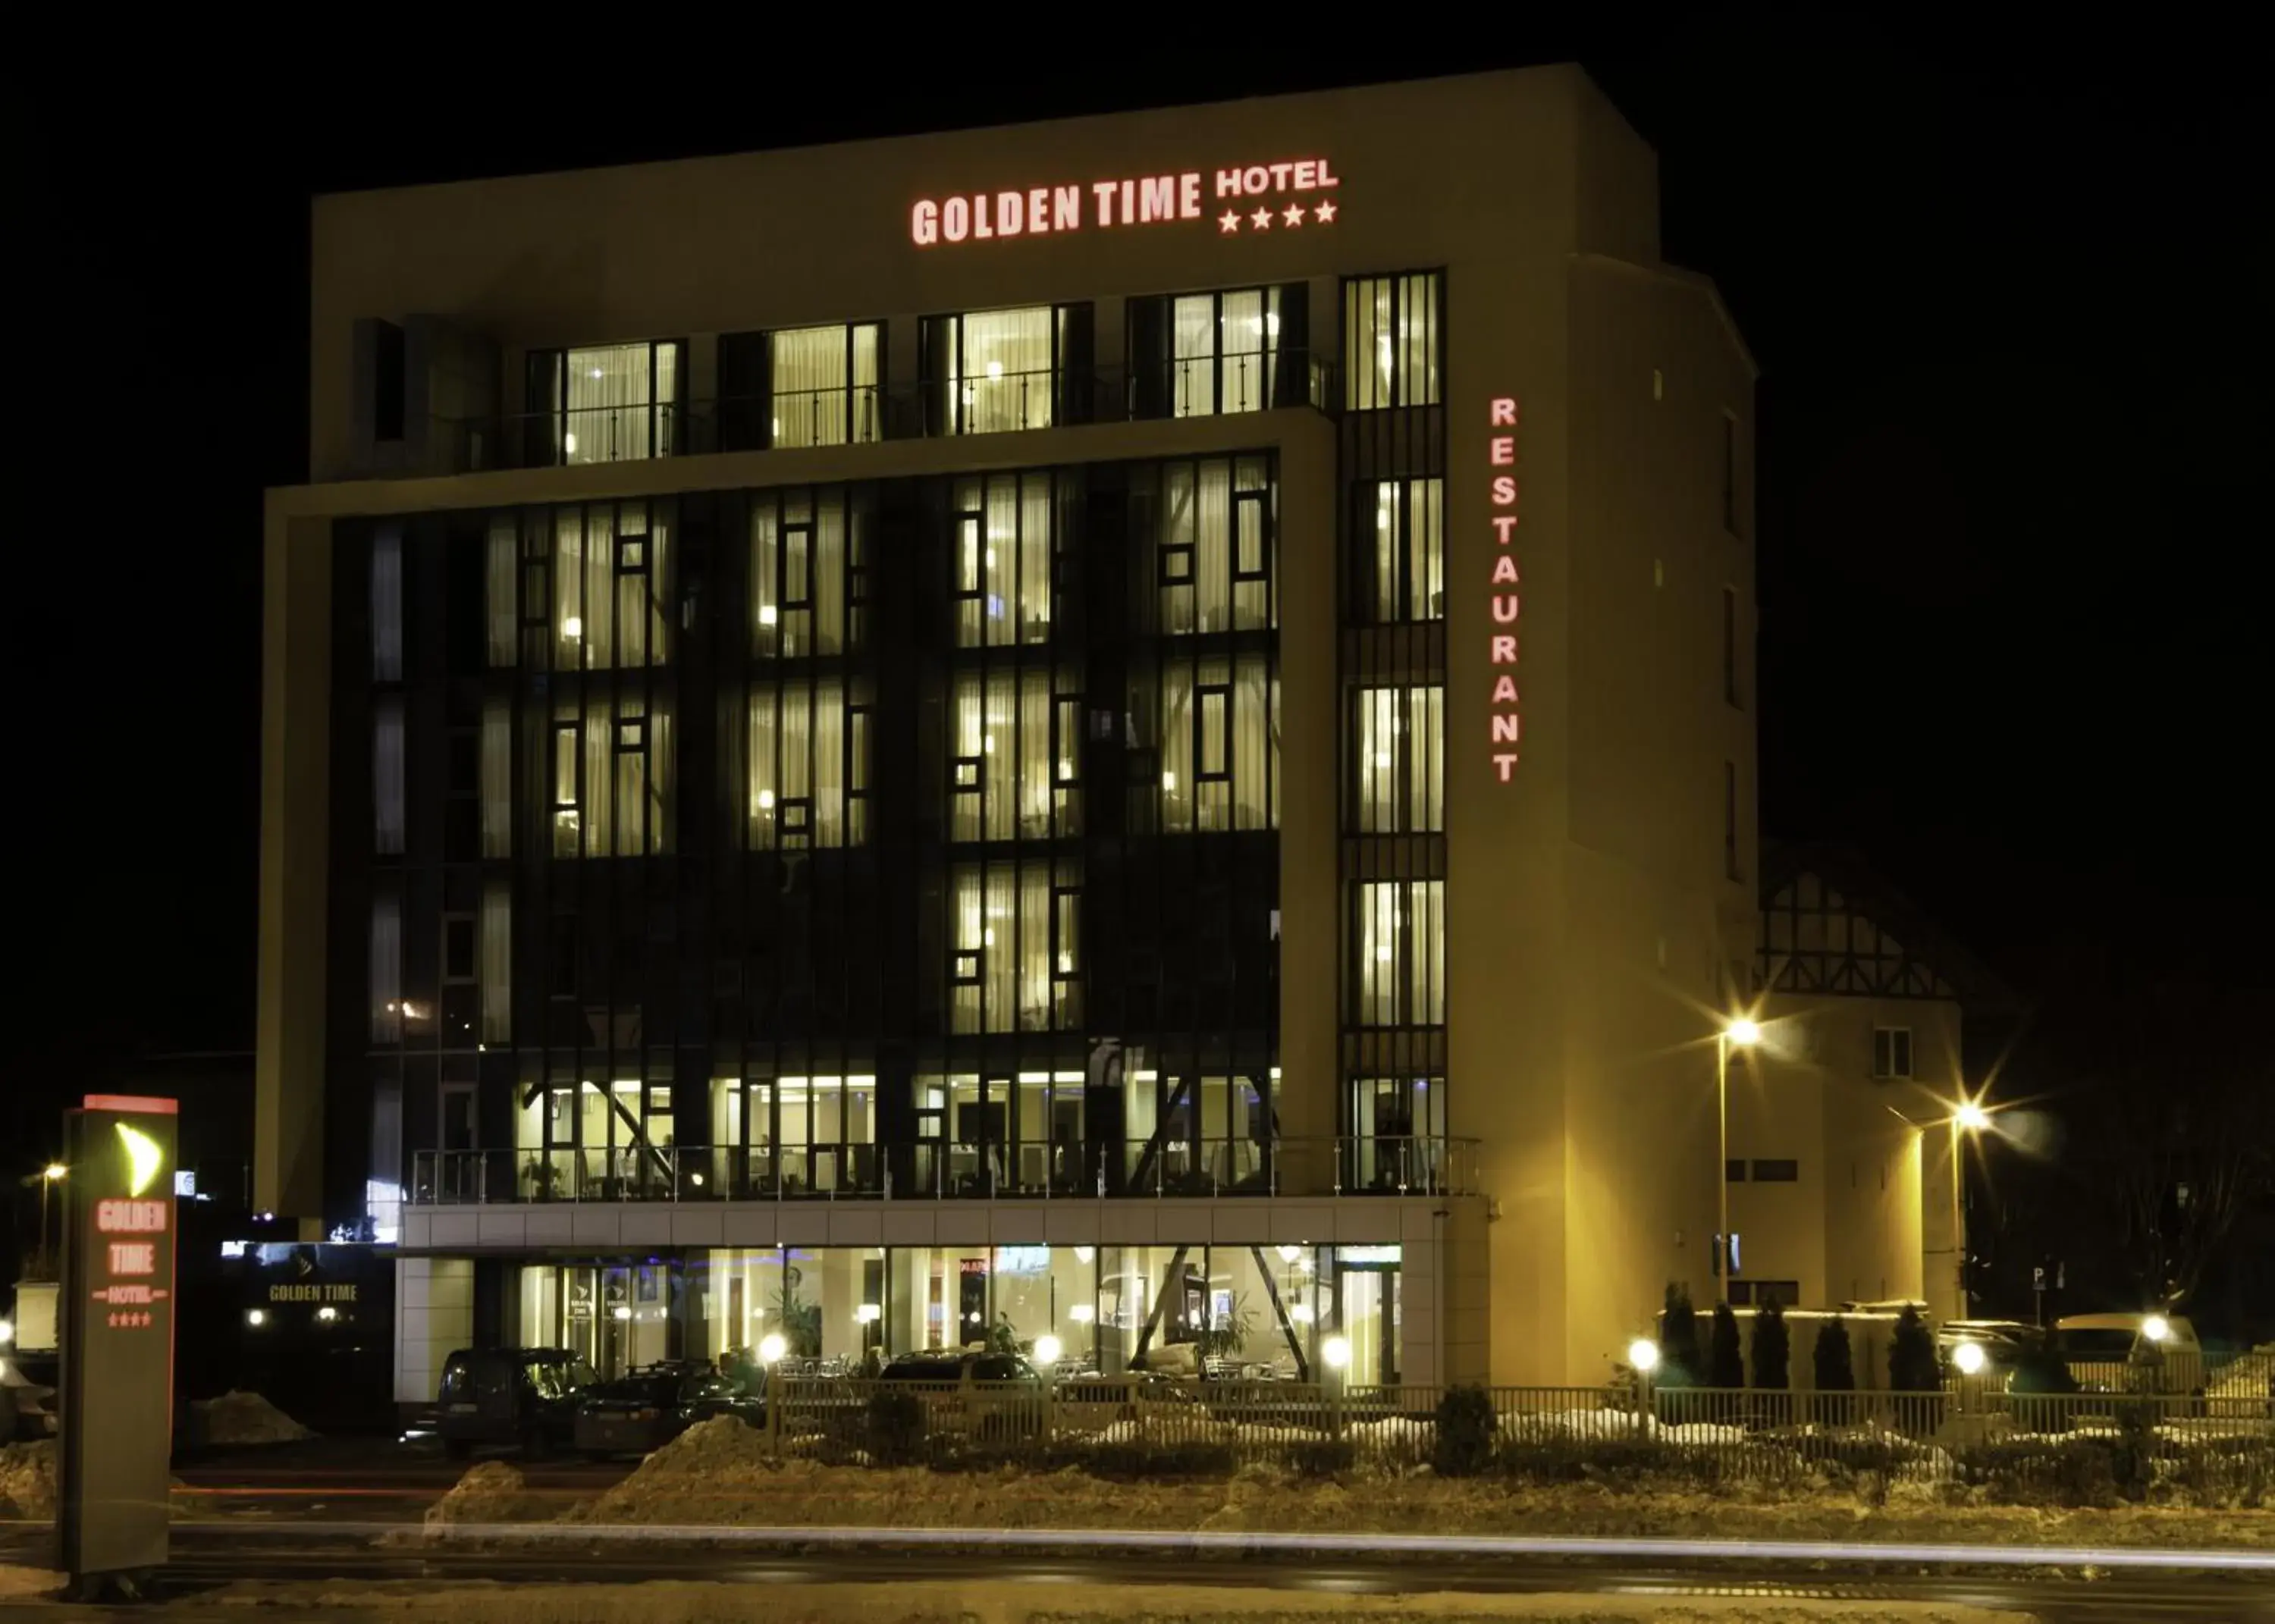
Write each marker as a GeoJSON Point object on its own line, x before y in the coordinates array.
{"type": "Point", "coordinates": [651, 1406]}
{"type": "Point", "coordinates": [2122, 1353]}
{"type": "Point", "coordinates": [2004, 1342]}
{"type": "Point", "coordinates": [986, 1395]}
{"type": "Point", "coordinates": [525, 1396]}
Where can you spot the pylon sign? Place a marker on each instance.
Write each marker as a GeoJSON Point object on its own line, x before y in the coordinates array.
{"type": "Point", "coordinates": [118, 1334]}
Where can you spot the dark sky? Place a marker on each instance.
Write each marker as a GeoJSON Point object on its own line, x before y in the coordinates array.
{"type": "Point", "coordinates": [2009, 317]}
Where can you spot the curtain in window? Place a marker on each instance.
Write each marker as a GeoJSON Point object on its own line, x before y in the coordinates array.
{"type": "Point", "coordinates": [1401, 953]}
{"type": "Point", "coordinates": [1192, 347]}
{"type": "Point", "coordinates": [610, 599]}
{"type": "Point", "coordinates": [1006, 963]}
{"type": "Point", "coordinates": [386, 604]}
{"type": "Point", "coordinates": [497, 776]}
{"type": "Point", "coordinates": [1216, 546]}
{"type": "Point", "coordinates": [1003, 374]}
{"type": "Point", "coordinates": [1220, 744]}
{"type": "Point", "coordinates": [620, 804]}
{"type": "Point", "coordinates": [801, 550]}
{"type": "Point", "coordinates": [802, 779]}
{"type": "Point", "coordinates": [809, 384]}
{"type": "Point", "coordinates": [497, 960]}
{"type": "Point", "coordinates": [1400, 758]}
{"type": "Point", "coordinates": [1247, 384]}
{"type": "Point", "coordinates": [502, 571]}
{"type": "Point", "coordinates": [1003, 559]}
{"type": "Point", "coordinates": [1390, 341]}
{"type": "Point", "coordinates": [1409, 551]}
{"type": "Point", "coordinates": [618, 401]}
{"type": "Point", "coordinates": [387, 777]}
{"type": "Point", "coordinates": [386, 969]}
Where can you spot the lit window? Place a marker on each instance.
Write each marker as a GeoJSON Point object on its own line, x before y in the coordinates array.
{"type": "Point", "coordinates": [1224, 351]}
{"type": "Point", "coordinates": [1406, 560]}
{"type": "Point", "coordinates": [1219, 743]}
{"type": "Point", "coordinates": [612, 777]}
{"type": "Point", "coordinates": [809, 766]}
{"type": "Point", "coordinates": [824, 385]}
{"type": "Point", "coordinates": [610, 570]}
{"type": "Point", "coordinates": [1003, 560]}
{"type": "Point", "coordinates": [1216, 546]}
{"type": "Point", "coordinates": [1398, 758]}
{"type": "Point", "coordinates": [809, 553]}
{"type": "Point", "coordinates": [1015, 960]}
{"type": "Point", "coordinates": [1013, 763]}
{"type": "Point", "coordinates": [1391, 341]}
{"type": "Point", "coordinates": [1400, 942]}
{"type": "Point", "coordinates": [609, 403]}
{"type": "Point", "coordinates": [993, 370]}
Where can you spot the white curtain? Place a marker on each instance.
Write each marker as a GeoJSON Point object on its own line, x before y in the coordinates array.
{"type": "Point", "coordinates": [1400, 749]}
{"type": "Point", "coordinates": [969, 966]}
{"type": "Point", "coordinates": [386, 604]}
{"type": "Point", "coordinates": [504, 565]}
{"type": "Point", "coordinates": [1401, 953]}
{"type": "Point", "coordinates": [1237, 748]}
{"type": "Point", "coordinates": [1409, 550]}
{"type": "Point", "coordinates": [497, 960]}
{"type": "Point", "coordinates": [1035, 947]}
{"type": "Point", "coordinates": [613, 399]}
{"type": "Point", "coordinates": [1005, 380]}
{"type": "Point", "coordinates": [1254, 545]}
{"type": "Point", "coordinates": [799, 561]}
{"type": "Point", "coordinates": [497, 776]}
{"type": "Point", "coordinates": [386, 970]}
{"type": "Point", "coordinates": [387, 777]}
{"type": "Point", "coordinates": [1245, 345]}
{"type": "Point", "coordinates": [809, 386]}
{"type": "Point", "coordinates": [803, 766]}
{"type": "Point", "coordinates": [1192, 350]}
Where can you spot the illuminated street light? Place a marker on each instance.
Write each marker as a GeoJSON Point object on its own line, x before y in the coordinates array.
{"type": "Point", "coordinates": [256, 1317]}
{"type": "Point", "coordinates": [1969, 1357]}
{"type": "Point", "coordinates": [1643, 1354]}
{"type": "Point", "coordinates": [1968, 1116]}
{"type": "Point", "coordinates": [1971, 1116]}
{"type": "Point", "coordinates": [1744, 1033]}
{"type": "Point", "coordinates": [53, 1171]}
{"type": "Point", "coordinates": [1047, 1349]}
{"type": "Point", "coordinates": [2156, 1327]}
{"type": "Point", "coordinates": [7, 1331]}
{"type": "Point", "coordinates": [772, 1348]}
{"type": "Point", "coordinates": [1336, 1351]}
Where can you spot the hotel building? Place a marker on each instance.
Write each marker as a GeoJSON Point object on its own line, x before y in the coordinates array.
{"type": "Point", "coordinates": [1140, 728]}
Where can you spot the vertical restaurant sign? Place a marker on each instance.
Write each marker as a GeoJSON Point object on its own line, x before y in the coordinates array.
{"type": "Point", "coordinates": [1500, 453]}
{"type": "Point", "coordinates": [118, 1333]}
{"type": "Point", "coordinates": [1248, 199]}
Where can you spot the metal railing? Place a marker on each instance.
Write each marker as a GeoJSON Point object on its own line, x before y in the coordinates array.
{"type": "Point", "coordinates": [936, 1171]}
{"type": "Point", "coordinates": [2024, 1446]}
{"type": "Point", "coordinates": [982, 403]}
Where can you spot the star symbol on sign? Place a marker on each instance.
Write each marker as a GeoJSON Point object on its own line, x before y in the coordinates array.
{"type": "Point", "coordinates": [1295, 215]}
{"type": "Point", "coordinates": [1228, 223]}
{"type": "Point", "coordinates": [1261, 219]}
{"type": "Point", "coordinates": [1324, 212]}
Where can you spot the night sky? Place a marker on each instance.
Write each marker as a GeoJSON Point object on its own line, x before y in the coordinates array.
{"type": "Point", "coordinates": [2010, 320]}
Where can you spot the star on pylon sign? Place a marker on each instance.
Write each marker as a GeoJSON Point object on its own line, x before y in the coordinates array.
{"type": "Point", "coordinates": [1261, 219]}
{"type": "Point", "coordinates": [1324, 212]}
{"type": "Point", "coordinates": [1228, 223]}
{"type": "Point", "coordinates": [1295, 215]}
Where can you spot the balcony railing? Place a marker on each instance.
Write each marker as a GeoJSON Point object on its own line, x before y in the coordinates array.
{"type": "Point", "coordinates": [1068, 1171]}
{"type": "Point", "coordinates": [982, 403]}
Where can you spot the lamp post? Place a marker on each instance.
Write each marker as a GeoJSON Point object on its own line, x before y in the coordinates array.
{"type": "Point", "coordinates": [1967, 1117]}
{"type": "Point", "coordinates": [49, 1174]}
{"type": "Point", "coordinates": [1744, 1033]}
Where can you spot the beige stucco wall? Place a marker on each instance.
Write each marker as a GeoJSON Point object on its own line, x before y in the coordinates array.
{"type": "Point", "coordinates": [1590, 921]}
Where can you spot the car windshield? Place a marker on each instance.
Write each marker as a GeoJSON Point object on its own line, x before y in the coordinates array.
{"type": "Point", "coordinates": [2098, 1342]}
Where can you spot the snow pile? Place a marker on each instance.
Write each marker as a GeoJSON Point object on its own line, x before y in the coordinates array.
{"type": "Point", "coordinates": [28, 1480]}
{"type": "Point", "coordinates": [702, 1476]}
{"type": "Point", "coordinates": [1563, 1425]}
{"type": "Point", "coordinates": [2250, 1377]}
{"type": "Point", "coordinates": [245, 1419]}
{"type": "Point", "coordinates": [491, 1492]}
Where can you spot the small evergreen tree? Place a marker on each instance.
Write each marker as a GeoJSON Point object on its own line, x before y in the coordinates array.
{"type": "Point", "coordinates": [1912, 1365]}
{"type": "Point", "coordinates": [1773, 1349]}
{"type": "Point", "coordinates": [1726, 1363]}
{"type": "Point", "coordinates": [1833, 1361]}
{"type": "Point", "coordinates": [1678, 1340]}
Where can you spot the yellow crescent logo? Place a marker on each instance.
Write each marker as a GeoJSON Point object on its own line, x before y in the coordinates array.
{"type": "Point", "coordinates": [142, 1157]}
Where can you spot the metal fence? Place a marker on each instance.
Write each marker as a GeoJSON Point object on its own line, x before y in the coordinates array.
{"type": "Point", "coordinates": [2055, 1446]}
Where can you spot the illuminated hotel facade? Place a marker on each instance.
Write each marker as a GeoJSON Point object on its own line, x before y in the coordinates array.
{"type": "Point", "coordinates": [1140, 728]}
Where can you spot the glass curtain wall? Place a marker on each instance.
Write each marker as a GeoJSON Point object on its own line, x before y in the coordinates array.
{"type": "Point", "coordinates": [1403, 521]}
{"type": "Point", "coordinates": [611, 774]}
{"type": "Point", "coordinates": [1015, 763]}
{"type": "Point", "coordinates": [1017, 941]}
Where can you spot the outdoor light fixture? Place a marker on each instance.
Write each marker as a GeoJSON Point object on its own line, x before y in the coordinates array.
{"type": "Point", "coordinates": [1743, 1033]}
{"type": "Point", "coordinates": [328, 1313]}
{"type": "Point", "coordinates": [772, 1348]}
{"type": "Point", "coordinates": [1336, 1351]}
{"type": "Point", "coordinates": [1047, 1349]}
{"type": "Point", "coordinates": [2156, 1327]}
{"type": "Point", "coordinates": [1971, 1116]}
{"type": "Point", "coordinates": [256, 1317]}
{"type": "Point", "coordinates": [1643, 1353]}
{"type": "Point", "coordinates": [7, 1331]}
{"type": "Point", "coordinates": [1969, 1357]}
{"type": "Point", "coordinates": [53, 1171]}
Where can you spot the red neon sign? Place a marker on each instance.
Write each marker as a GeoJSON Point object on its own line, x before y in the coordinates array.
{"type": "Point", "coordinates": [1137, 199]}
{"type": "Point", "coordinates": [130, 1217]}
{"type": "Point", "coordinates": [1500, 452]}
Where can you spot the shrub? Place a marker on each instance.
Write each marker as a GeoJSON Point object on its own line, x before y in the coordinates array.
{"type": "Point", "coordinates": [1464, 1443]}
{"type": "Point", "coordinates": [1322, 1457]}
{"type": "Point", "coordinates": [1772, 1353]}
{"type": "Point", "coordinates": [1831, 1362]}
{"type": "Point", "coordinates": [896, 1426]}
{"type": "Point", "coordinates": [2034, 1472]}
{"type": "Point", "coordinates": [1135, 1462]}
{"type": "Point", "coordinates": [1912, 1364]}
{"type": "Point", "coordinates": [1678, 1340]}
{"type": "Point", "coordinates": [1726, 1365]}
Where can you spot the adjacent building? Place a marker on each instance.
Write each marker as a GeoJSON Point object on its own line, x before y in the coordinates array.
{"type": "Point", "coordinates": [1139, 730]}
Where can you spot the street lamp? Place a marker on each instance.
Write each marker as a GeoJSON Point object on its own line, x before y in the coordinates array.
{"type": "Point", "coordinates": [1966, 1117]}
{"type": "Point", "coordinates": [49, 1175]}
{"type": "Point", "coordinates": [1744, 1033]}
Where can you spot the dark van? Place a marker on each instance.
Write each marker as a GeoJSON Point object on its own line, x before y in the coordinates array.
{"type": "Point", "coordinates": [525, 1396]}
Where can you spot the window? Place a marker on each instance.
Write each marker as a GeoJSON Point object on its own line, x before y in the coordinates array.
{"type": "Point", "coordinates": [824, 385]}
{"type": "Point", "coordinates": [1014, 770]}
{"type": "Point", "coordinates": [496, 774]}
{"type": "Point", "coordinates": [1016, 962]}
{"type": "Point", "coordinates": [809, 765]}
{"type": "Point", "coordinates": [1398, 759]}
{"type": "Point", "coordinates": [386, 969]}
{"type": "Point", "coordinates": [1776, 1171]}
{"type": "Point", "coordinates": [388, 382]}
{"type": "Point", "coordinates": [458, 961]}
{"type": "Point", "coordinates": [1892, 1052]}
{"type": "Point", "coordinates": [497, 961]}
{"type": "Point", "coordinates": [1218, 741]}
{"type": "Point", "coordinates": [1730, 820]}
{"type": "Point", "coordinates": [608, 566]}
{"type": "Point", "coordinates": [1730, 645]}
{"type": "Point", "coordinates": [1762, 1293]}
{"type": "Point", "coordinates": [1224, 352]}
{"type": "Point", "coordinates": [1406, 563]}
{"type": "Point", "coordinates": [1399, 1128]}
{"type": "Point", "coordinates": [1734, 1171]}
{"type": "Point", "coordinates": [1391, 341]}
{"type": "Point", "coordinates": [1003, 560]}
{"type": "Point", "coordinates": [1730, 474]}
{"type": "Point", "coordinates": [1217, 545]}
{"type": "Point", "coordinates": [992, 370]}
{"type": "Point", "coordinates": [809, 558]}
{"type": "Point", "coordinates": [612, 777]}
{"type": "Point", "coordinates": [387, 778]}
{"type": "Point", "coordinates": [1400, 944]}
{"type": "Point", "coordinates": [501, 577]}
{"type": "Point", "coordinates": [386, 604]}
{"type": "Point", "coordinates": [609, 403]}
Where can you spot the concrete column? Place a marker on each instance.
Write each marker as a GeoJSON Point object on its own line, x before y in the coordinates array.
{"type": "Point", "coordinates": [434, 1317]}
